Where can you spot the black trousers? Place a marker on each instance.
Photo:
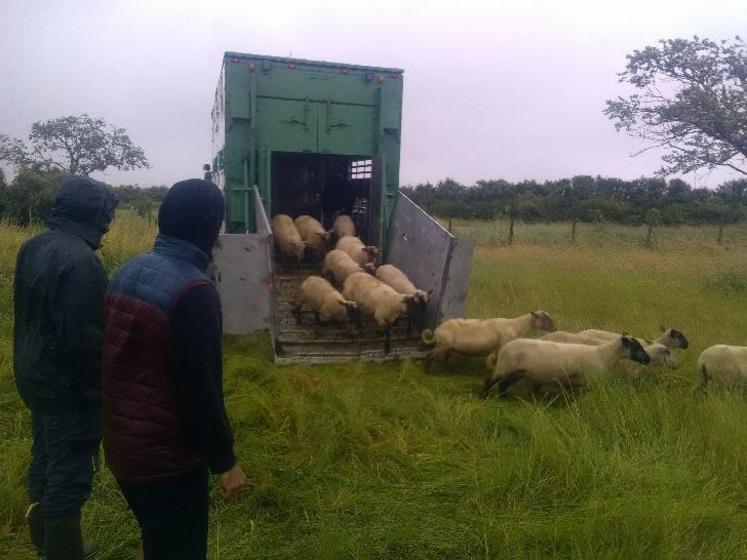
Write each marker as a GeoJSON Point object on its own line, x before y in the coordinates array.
{"type": "Point", "coordinates": [65, 442]}
{"type": "Point", "coordinates": [172, 514]}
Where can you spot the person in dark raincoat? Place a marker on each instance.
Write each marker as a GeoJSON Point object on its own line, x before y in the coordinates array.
{"type": "Point", "coordinates": [58, 331]}
{"type": "Point", "coordinates": [165, 422]}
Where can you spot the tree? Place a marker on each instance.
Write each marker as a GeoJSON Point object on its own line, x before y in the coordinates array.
{"type": "Point", "coordinates": [29, 197]}
{"type": "Point", "coordinates": [692, 103]}
{"type": "Point", "coordinates": [78, 145]}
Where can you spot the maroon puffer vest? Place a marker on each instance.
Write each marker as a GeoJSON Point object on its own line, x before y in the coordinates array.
{"type": "Point", "coordinates": [144, 438]}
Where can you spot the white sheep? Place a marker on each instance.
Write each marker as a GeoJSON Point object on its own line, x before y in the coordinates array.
{"type": "Point", "coordinates": [479, 337]}
{"type": "Point", "coordinates": [394, 277]}
{"type": "Point", "coordinates": [544, 362]}
{"type": "Point", "coordinates": [326, 302]}
{"type": "Point", "coordinates": [286, 237]}
{"type": "Point", "coordinates": [660, 354]}
{"type": "Point", "coordinates": [338, 265]}
{"type": "Point", "coordinates": [723, 365]}
{"type": "Point", "coordinates": [671, 338]}
{"type": "Point", "coordinates": [377, 300]}
{"type": "Point", "coordinates": [572, 338]}
{"type": "Point", "coordinates": [343, 226]}
{"type": "Point", "coordinates": [360, 253]}
{"type": "Point", "coordinates": [317, 239]}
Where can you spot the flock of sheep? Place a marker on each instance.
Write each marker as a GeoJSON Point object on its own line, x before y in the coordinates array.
{"type": "Point", "coordinates": [384, 293]}
{"type": "Point", "coordinates": [558, 358]}
{"type": "Point", "coordinates": [567, 358]}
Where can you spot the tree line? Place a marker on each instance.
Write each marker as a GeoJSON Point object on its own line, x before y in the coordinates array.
{"type": "Point", "coordinates": [28, 197]}
{"type": "Point", "coordinates": [585, 198]}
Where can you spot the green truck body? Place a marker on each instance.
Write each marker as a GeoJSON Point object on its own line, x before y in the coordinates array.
{"type": "Point", "coordinates": [294, 127]}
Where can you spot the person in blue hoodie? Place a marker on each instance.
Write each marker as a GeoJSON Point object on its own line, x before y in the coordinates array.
{"type": "Point", "coordinates": [165, 421]}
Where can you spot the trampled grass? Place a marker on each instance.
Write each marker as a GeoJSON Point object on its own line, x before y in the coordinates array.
{"type": "Point", "coordinates": [386, 461]}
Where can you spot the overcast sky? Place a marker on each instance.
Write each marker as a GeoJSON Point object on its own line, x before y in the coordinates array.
{"type": "Point", "coordinates": [493, 89]}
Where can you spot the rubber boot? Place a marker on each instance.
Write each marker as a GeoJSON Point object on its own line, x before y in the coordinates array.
{"type": "Point", "coordinates": [35, 520]}
{"type": "Point", "coordinates": [63, 539]}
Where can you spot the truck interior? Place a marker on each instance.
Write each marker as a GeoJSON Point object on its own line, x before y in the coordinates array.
{"type": "Point", "coordinates": [322, 186]}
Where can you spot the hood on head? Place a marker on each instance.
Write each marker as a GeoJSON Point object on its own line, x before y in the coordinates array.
{"type": "Point", "coordinates": [193, 211]}
{"type": "Point", "coordinates": [84, 207]}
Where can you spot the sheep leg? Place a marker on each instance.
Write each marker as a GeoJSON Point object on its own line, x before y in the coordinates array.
{"type": "Point", "coordinates": [297, 312]}
{"type": "Point", "coordinates": [316, 314]}
{"type": "Point", "coordinates": [440, 352]}
{"type": "Point", "coordinates": [508, 380]}
{"type": "Point", "coordinates": [387, 342]}
{"type": "Point", "coordinates": [490, 380]}
{"type": "Point", "coordinates": [703, 377]}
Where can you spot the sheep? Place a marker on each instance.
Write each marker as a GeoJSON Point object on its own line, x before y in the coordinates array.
{"type": "Point", "coordinates": [360, 253]}
{"type": "Point", "coordinates": [338, 266]}
{"type": "Point", "coordinates": [287, 238]}
{"type": "Point", "coordinates": [326, 302]}
{"type": "Point", "coordinates": [479, 337]}
{"type": "Point", "coordinates": [394, 277]}
{"type": "Point", "coordinates": [377, 300]}
{"type": "Point", "coordinates": [660, 354]}
{"type": "Point", "coordinates": [724, 365]}
{"type": "Point", "coordinates": [316, 238]}
{"type": "Point", "coordinates": [572, 338]}
{"type": "Point", "coordinates": [545, 362]}
{"type": "Point", "coordinates": [343, 226]}
{"type": "Point", "coordinates": [671, 338]}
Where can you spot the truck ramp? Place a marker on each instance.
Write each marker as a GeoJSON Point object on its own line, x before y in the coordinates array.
{"type": "Point", "coordinates": [308, 341]}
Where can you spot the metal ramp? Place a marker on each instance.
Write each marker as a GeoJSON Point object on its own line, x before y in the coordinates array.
{"type": "Point", "coordinates": [312, 342]}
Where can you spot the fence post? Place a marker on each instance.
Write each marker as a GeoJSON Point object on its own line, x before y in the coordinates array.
{"type": "Point", "coordinates": [449, 225]}
{"type": "Point", "coordinates": [511, 230]}
{"type": "Point", "coordinates": [720, 233]}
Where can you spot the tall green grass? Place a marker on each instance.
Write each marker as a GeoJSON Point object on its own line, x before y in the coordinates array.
{"type": "Point", "coordinates": [385, 461]}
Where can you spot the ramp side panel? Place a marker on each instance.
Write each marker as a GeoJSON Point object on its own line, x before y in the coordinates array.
{"type": "Point", "coordinates": [420, 247]}
{"type": "Point", "coordinates": [244, 280]}
{"type": "Point", "coordinates": [454, 298]}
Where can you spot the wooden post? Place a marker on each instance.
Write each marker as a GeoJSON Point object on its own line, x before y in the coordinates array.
{"type": "Point", "coordinates": [511, 230]}
{"type": "Point", "coordinates": [649, 235]}
{"type": "Point", "coordinates": [720, 233]}
{"type": "Point", "coordinates": [449, 228]}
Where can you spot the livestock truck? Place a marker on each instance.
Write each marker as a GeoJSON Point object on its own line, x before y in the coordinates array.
{"type": "Point", "coordinates": [298, 137]}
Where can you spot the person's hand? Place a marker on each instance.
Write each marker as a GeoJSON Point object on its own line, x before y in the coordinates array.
{"type": "Point", "coordinates": [232, 482]}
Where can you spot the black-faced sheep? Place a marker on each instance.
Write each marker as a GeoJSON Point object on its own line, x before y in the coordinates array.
{"type": "Point", "coordinates": [479, 337]}
{"type": "Point", "coordinates": [338, 265]}
{"type": "Point", "coordinates": [360, 253]}
{"type": "Point", "coordinates": [286, 237]}
{"type": "Point", "coordinates": [724, 365]}
{"type": "Point", "coordinates": [326, 302]}
{"type": "Point", "coordinates": [317, 239]}
{"type": "Point", "coordinates": [343, 226]}
{"type": "Point", "coordinates": [544, 362]}
{"type": "Point", "coordinates": [377, 300]}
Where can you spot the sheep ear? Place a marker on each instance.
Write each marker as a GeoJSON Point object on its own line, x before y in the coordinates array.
{"type": "Point", "coordinates": [625, 340]}
{"type": "Point", "coordinates": [662, 328]}
{"type": "Point", "coordinates": [350, 304]}
{"type": "Point", "coordinates": [534, 314]}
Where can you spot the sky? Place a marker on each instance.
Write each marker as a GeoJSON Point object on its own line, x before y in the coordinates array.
{"type": "Point", "coordinates": [492, 89]}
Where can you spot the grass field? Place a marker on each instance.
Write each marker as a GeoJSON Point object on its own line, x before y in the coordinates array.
{"type": "Point", "coordinates": [385, 461]}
